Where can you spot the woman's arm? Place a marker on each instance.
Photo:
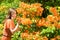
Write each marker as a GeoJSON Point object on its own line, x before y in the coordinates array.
{"type": "Point", "coordinates": [13, 30]}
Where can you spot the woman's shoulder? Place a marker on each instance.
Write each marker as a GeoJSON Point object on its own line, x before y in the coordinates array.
{"type": "Point", "coordinates": [8, 20]}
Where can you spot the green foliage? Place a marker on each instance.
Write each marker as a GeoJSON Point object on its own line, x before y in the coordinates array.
{"type": "Point", "coordinates": [2, 16]}
{"type": "Point", "coordinates": [16, 36]}
{"type": "Point", "coordinates": [58, 31]}
{"type": "Point", "coordinates": [1, 28]}
{"type": "Point", "coordinates": [44, 2]}
{"type": "Point", "coordinates": [7, 4]}
{"type": "Point", "coordinates": [50, 32]}
{"type": "Point", "coordinates": [1, 32]}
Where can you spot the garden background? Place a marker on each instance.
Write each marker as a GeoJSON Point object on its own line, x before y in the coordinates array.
{"type": "Point", "coordinates": [45, 33]}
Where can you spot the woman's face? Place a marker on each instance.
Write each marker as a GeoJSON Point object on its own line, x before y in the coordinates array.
{"type": "Point", "coordinates": [13, 14]}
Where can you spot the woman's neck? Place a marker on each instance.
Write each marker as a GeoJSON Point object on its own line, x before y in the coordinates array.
{"type": "Point", "coordinates": [12, 18]}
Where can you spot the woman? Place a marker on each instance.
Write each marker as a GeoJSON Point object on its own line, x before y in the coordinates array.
{"type": "Point", "coordinates": [9, 26]}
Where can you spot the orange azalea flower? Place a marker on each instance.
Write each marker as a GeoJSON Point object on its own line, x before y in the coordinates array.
{"type": "Point", "coordinates": [33, 13]}
{"type": "Point", "coordinates": [50, 18]}
{"type": "Point", "coordinates": [35, 37]}
{"type": "Point", "coordinates": [54, 11]}
{"type": "Point", "coordinates": [39, 11]}
{"type": "Point", "coordinates": [24, 35]}
{"type": "Point", "coordinates": [24, 14]}
{"type": "Point", "coordinates": [45, 38]}
{"type": "Point", "coordinates": [41, 22]}
{"type": "Point", "coordinates": [58, 26]}
{"type": "Point", "coordinates": [18, 19]}
{"type": "Point", "coordinates": [56, 18]}
{"type": "Point", "coordinates": [28, 12]}
{"type": "Point", "coordinates": [58, 37]}
{"type": "Point", "coordinates": [36, 5]}
{"type": "Point", "coordinates": [18, 10]}
{"type": "Point", "coordinates": [28, 26]}
{"type": "Point", "coordinates": [26, 31]}
{"type": "Point", "coordinates": [34, 33]}
{"type": "Point", "coordinates": [26, 21]}
{"type": "Point", "coordinates": [21, 4]}
{"type": "Point", "coordinates": [59, 18]}
{"type": "Point", "coordinates": [55, 24]}
{"type": "Point", "coordinates": [28, 6]}
{"type": "Point", "coordinates": [24, 5]}
{"type": "Point", "coordinates": [53, 39]}
{"type": "Point", "coordinates": [47, 23]}
{"type": "Point", "coordinates": [36, 20]}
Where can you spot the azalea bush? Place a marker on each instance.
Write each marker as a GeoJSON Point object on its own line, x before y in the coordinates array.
{"type": "Point", "coordinates": [33, 24]}
{"type": "Point", "coordinates": [39, 19]}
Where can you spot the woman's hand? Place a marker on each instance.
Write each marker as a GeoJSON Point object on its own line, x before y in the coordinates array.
{"type": "Point", "coordinates": [18, 22]}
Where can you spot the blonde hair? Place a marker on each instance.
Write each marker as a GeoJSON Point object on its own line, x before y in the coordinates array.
{"type": "Point", "coordinates": [10, 13]}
